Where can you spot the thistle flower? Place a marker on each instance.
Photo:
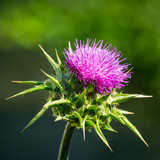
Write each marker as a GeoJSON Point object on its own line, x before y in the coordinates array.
{"type": "Point", "coordinates": [98, 65]}
{"type": "Point", "coordinates": [78, 103]}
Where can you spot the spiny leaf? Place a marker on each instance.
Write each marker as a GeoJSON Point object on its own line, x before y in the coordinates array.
{"type": "Point", "coordinates": [58, 102]}
{"type": "Point", "coordinates": [34, 89]}
{"type": "Point", "coordinates": [77, 115]}
{"type": "Point", "coordinates": [107, 110]}
{"type": "Point", "coordinates": [46, 106]}
{"type": "Point", "coordinates": [81, 122]}
{"type": "Point", "coordinates": [58, 59]}
{"type": "Point", "coordinates": [53, 63]}
{"type": "Point", "coordinates": [102, 98]}
{"type": "Point", "coordinates": [104, 139]}
{"type": "Point", "coordinates": [102, 109]}
{"type": "Point", "coordinates": [120, 97]}
{"type": "Point", "coordinates": [109, 128]}
{"type": "Point", "coordinates": [29, 82]}
{"type": "Point", "coordinates": [99, 132]}
{"type": "Point", "coordinates": [55, 81]}
{"type": "Point", "coordinates": [40, 113]}
{"type": "Point", "coordinates": [133, 128]}
{"type": "Point", "coordinates": [107, 125]}
{"type": "Point", "coordinates": [90, 88]}
{"type": "Point", "coordinates": [92, 107]}
{"type": "Point", "coordinates": [58, 118]}
{"type": "Point", "coordinates": [79, 99]}
{"type": "Point", "coordinates": [117, 117]}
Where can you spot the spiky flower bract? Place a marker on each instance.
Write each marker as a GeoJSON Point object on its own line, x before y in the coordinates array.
{"type": "Point", "coordinates": [99, 65]}
{"type": "Point", "coordinates": [83, 106]}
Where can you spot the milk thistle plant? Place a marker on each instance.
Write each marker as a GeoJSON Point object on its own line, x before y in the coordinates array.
{"type": "Point", "coordinates": [85, 91]}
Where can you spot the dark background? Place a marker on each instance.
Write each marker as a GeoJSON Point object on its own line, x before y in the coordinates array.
{"type": "Point", "coordinates": [132, 26]}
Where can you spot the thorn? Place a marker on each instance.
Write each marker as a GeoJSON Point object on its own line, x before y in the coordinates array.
{"type": "Point", "coordinates": [69, 43]}
{"type": "Point", "coordinates": [115, 131]}
{"type": "Point", "coordinates": [58, 118]}
{"type": "Point", "coordinates": [40, 47]}
{"type": "Point", "coordinates": [42, 71]}
{"type": "Point", "coordinates": [11, 97]}
{"type": "Point", "coordinates": [110, 148]}
{"type": "Point", "coordinates": [24, 129]}
{"type": "Point", "coordinates": [16, 81]}
{"type": "Point", "coordinates": [143, 96]}
{"type": "Point", "coordinates": [130, 112]}
{"type": "Point", "coordinates": [145, 142]}
{"type": "Point", "coordinates": [56, 52]}
{"type": "Point", "coordinates": [83, 129]}
{"type": "Point", "coordinates": [42, 50]}
{"type": "Point", "coordinates": [126, 112]}
{"type": "Point", "coordinates": [70, 49]}
{"type": "Point", "coordinates": [130, 70]}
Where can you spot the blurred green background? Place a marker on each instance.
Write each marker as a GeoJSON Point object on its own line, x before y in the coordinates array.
{"type": "Point", "coordinates": [132, 26]}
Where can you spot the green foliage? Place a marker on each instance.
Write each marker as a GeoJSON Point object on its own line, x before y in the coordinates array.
{"type": "Point", "coordinates": [83, 107]}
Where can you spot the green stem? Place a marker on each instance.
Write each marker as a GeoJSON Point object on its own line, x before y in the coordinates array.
{"type": "Point", "coordinates": [66, 141]}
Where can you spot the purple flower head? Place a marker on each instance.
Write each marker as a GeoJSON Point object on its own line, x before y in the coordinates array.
{"type": "Point", "coordinates": [99, 65]}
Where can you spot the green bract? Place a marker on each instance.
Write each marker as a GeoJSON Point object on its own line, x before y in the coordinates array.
{"type": "Point", "coordinates": [82, 107]}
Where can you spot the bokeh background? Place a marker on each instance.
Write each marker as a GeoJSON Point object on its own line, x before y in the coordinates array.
{"type": "Point", "coordinates": [132, 26]}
